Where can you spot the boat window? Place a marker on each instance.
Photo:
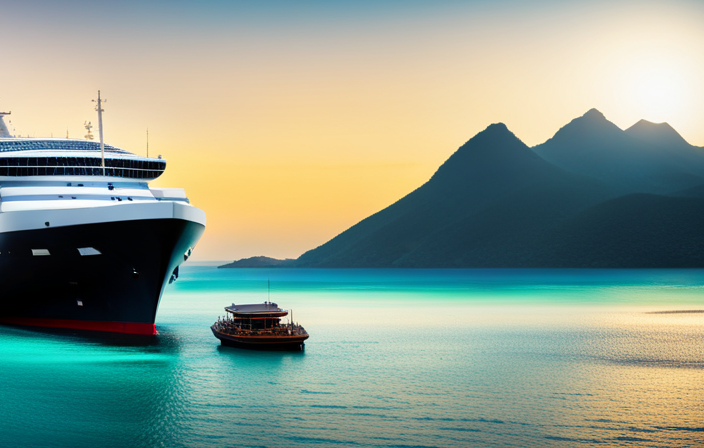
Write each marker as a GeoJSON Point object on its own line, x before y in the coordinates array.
{"type": "Point", "coordinates": [40, 252]}
{"type": "Point", "coordinates": [87, 251]}
{"type": "Point", "coordinates": [83, 166]}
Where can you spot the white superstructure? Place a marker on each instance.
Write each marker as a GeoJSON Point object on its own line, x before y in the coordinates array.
{"type": "Point", "coordinates": [50, 174]}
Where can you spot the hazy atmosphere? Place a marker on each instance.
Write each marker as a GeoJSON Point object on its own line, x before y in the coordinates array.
{"type": "Point", "coordinates": [385, 223]}
{"type": "Point", "coordinates": [289, 122]}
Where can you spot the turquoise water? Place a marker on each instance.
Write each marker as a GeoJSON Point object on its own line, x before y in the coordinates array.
{"type": "Point", "coordinates": [416, 358]}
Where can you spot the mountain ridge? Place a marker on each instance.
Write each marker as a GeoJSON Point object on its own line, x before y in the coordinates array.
{"type": "Point", "coordinates": [661, 134]}
{"type": "Point", "coordinates": [593, 195]}
{"type": "Point", "coordinates": [478, 184]}
{"type": "Point", "coordinates": [259, 262]}
{"type": "Point", "coordinates": [593, 146]}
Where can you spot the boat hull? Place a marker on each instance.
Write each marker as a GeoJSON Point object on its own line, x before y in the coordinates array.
{"type": "Point", "coordinates": [117, 290]}
{"type": "Point", "coordinates": [294, 342]}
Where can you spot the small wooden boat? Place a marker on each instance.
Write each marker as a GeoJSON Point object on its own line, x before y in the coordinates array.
{"type": "Point", "coordinates": [259, 326]}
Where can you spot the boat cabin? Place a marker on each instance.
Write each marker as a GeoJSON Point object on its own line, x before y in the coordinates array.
{"type": "Point", "coordinates": [257, 316]}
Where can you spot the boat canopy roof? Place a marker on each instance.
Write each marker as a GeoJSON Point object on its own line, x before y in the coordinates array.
{"type": "Point", "coordinates": [266, 308]}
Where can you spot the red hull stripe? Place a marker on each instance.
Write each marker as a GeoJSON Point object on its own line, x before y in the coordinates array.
{"type": "Point", "coordinates": [114, 327]}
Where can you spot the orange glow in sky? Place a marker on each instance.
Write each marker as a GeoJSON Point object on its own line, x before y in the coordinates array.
{"type": "Point", "coordinates": [287, 126]}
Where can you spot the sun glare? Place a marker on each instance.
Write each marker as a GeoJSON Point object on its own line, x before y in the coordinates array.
{"type": "Point", "coordinates": [660, 93]}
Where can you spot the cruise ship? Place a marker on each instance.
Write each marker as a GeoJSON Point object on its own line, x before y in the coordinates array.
{"type": "Point", "coordinates": [85, 243]}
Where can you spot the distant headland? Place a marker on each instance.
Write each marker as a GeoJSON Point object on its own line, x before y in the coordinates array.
{"type": "Point", "coordinates": [260, 262]}
{"type": "Point", "coordinates": [592, 196]}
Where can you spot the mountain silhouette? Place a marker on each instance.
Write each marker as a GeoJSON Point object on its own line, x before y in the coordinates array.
{"type": "Point", "coordinates": [694, 192]}
{"type": "Point", "coordinates": [670, 146]}
{"type": "Point", "coordinates": [658, 134]}
{"type": "Point", "coordinates": [647, 158]}
{"type": "Point", "coordinates": [259, 262]}
{"type": "Point", "coordinates": [633, 231]}
{"type": "Point", "coordinates": [591, 196]}
{"type": "Point", "coordinates": [487, 205]}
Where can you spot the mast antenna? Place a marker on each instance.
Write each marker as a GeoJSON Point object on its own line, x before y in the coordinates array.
{"type": "Point", "coordinates": [99, 108]}
{"type": "Point", "coordinates": [88, 126]}
{"type": "Point", "coordinates": [147, 142]}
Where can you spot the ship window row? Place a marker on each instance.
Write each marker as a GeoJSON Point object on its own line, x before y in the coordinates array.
{"type": "Point", "coordinates": [82, 162]}
{"type": "Point", "coordinates": [79, 171]}
{"type": "Point", "coordinates": [69, 145]}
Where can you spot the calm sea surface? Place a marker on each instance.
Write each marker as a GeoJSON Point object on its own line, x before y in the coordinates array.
{"type": "Point", "coordinates": [396, 358]}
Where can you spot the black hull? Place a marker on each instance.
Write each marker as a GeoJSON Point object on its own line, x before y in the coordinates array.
{"type": "Point", "coordinates": [118, 290]}
{"type": "Point", "coordinates": [290, 343]}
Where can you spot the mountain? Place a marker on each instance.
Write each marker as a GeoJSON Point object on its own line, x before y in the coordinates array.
{"type": "Point", "coordinates": [633, 231]}
{"type": "Point", "coordinates": [694, 192]}
{"type": "Point", "coordinates": [489, 204]}
{"type": "Point", "coordinates": [671, 145]}
{"type": "Point", "coordinates": [646, 158]}
{"type": "Point", "coordinates": [658, 134]}
{"type": "Point", "coordinates": [259, 262]}
{"type": "Point", "coordinates": [591, 196]}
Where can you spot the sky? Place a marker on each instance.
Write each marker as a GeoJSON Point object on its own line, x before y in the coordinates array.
{"type": "Point", "coordinates": [290, 121]}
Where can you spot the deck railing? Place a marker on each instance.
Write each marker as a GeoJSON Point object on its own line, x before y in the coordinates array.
{"type": "Point", "coordinates": [237, 328]}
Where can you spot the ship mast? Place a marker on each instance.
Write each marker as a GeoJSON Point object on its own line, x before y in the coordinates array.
{"type": "Point", "coordinates": [99, 108]}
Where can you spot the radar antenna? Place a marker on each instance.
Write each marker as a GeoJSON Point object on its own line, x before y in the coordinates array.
{"type": "Point", "coordinates": [100, 110]}
{"type": "Point", "coordinates": [4, 133]}
{"type": "Point", "coordinates": [88, 126]}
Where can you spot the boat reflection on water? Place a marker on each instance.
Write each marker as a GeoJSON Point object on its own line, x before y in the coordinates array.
{"type": "Point", "coordinates": [258, 326]}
